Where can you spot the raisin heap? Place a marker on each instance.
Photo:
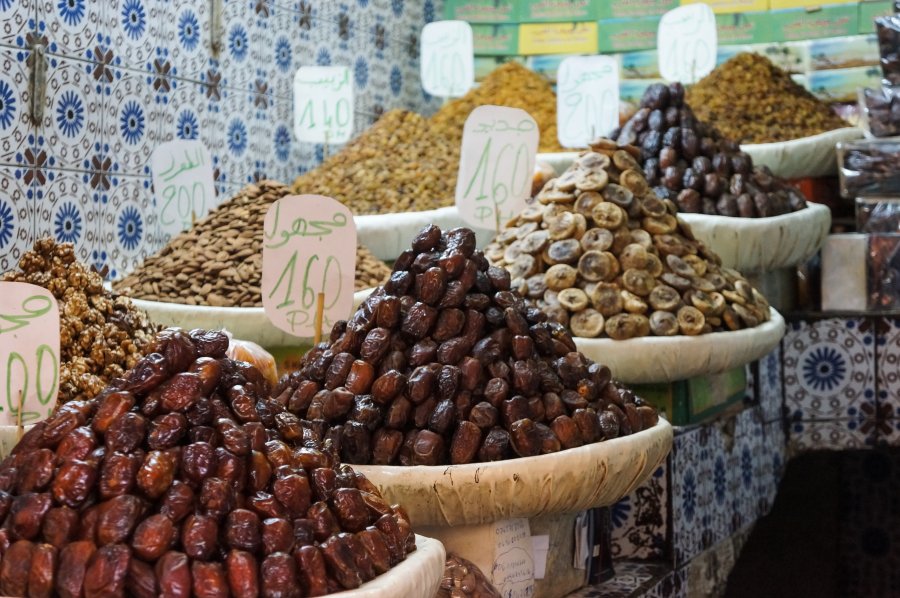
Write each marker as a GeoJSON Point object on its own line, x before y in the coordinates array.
{"type": "Point", "coordinates": [174, 482]}
{"type": "Point", "coordinates": [445, 364]}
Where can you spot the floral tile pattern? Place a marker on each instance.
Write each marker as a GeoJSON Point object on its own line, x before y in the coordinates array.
{"type": "Point", "coordinates": [17, 213]}
{"type": "Point", "coordinates": [770, 385]}
{"type": "Point", "coordinates": [640, 520]}
{"type": "Point", "coordinates": [828, 435]}
{"type": "Point", "coordinates": [632, 578]}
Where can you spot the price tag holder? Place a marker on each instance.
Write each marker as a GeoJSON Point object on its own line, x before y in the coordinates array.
{"type": "Point", "coordinates": [183, 184]}
{"type": "Point", "coordinates": [309, 247]}
{"type": "Point", "coordinates": [448, 60]}
{"type": "Point", "coordinates": [496, 165]}
{"type": "Point", "coordinates": [587, 99]}
{"type": "Point", "coordinates": [29, 352]}
{"type": "Point", "coordinates": [323, 104]}
{"type": "Point", "coordinates": [686, 42]}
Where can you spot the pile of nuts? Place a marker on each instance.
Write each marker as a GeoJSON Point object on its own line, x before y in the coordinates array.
{"type": "Point", "coordinates": [751, 100]}
{"type": "Point", "coordinates": [444, 364]}
{"type": "Point", "coordinates": [512, 85]}
{"type": "Point", "coordinates": [605, 257]}
{"type": "Point", "coordinates": [688, 161]}
{"type": "Point", "coordinates": [397, 165]}
{"type": "Point", "coordinates": [174, 482]}
{"type": "Point", "coordinates": [100, 335]}
{"type": "Point", "coordinates": [218, 262]}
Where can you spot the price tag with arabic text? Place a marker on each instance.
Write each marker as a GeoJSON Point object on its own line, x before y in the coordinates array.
{"type": "Point", "coordinates": [587, 99]}
{"type": "Point", "coordinates": [496, 165]}
{"type": "Point", "coordinates": [323, 104]}
{"type": "Point", "coordinates": [183, 184]}
{"type": "Point", "coordinates": [686, 42]}
{"type": "Point", "coordinates": [309, 247]}
{"type": "Point", "coordinates": [448, 62]}
{"type": "Point", "coordinates": [29, 352]}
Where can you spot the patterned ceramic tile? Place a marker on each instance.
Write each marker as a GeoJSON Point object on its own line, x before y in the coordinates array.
{"type": "Point", "coordinates": [672, 585]}
{"type": "Point", "coordinates": [16, 139]}
{"type": "Point", "coordinates": [132, 115]}
{"type": "Point", "coordinates": [640, 520]}
{"type": "Point", "coordinates": [135, 28]}
{"type": "Point", "coordinates": [187, 35]}
{"type": "Point", "coordinates": [16, 20]}
{"type": "Point", "coordinates": [692, 494]}
{"type": "Point", "coordinates": [17, 214]}
{"type": "Point", "coordinates": [67, 212]}
{"type": "Point", "coordinates": [632, 578]}
{"type": "Point", "coordinates": [829, 369]}
{"type": "Point", "coordinates": [72, 26]}
{"type": "Point", "coordinates": [770, 387]}
{"type": "Point", "coordinates": [827, 435]}
{"type": "Point", "coordinates": [888, 365]}
{"type": "Point", "coordinates": [129, 224]}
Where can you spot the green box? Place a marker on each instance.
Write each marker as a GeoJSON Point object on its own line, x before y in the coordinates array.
{"type": "Point", "coordinates": [828, 21]}
{"type": "Point", "coordinates": [841, 85]}
{"type": "Point", "coordinates": [482, 11]}
{"type": "Point", "coordinates": [547, 65]}
{"type": "Point", "coordinates": [495, 40]}
{"type": "Point", "coordinates": [869, 10]}
{"type": "Point", "coordinates": [630, 9]}
{"type": "Point", "coordinates": [699, 399]}
{"type": "Point", "coordinates": [743, 28]}
{"type": "Point", "coordinates": [643, 64]}
{"type": "Point", "coordinates": [628, 35]}
{"type": "Point", "coordinates": [552, 11]}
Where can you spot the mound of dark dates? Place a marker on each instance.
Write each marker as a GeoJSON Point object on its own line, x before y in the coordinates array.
{"type": "Point", "coordinates": [175, 482]}
{"type": "Point", "coordinates": [445, 364]}
{"type": "Point", "coordinates": [689, 162]}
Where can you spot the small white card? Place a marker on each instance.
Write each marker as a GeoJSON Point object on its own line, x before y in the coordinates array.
{"type": "Point", "coordinates": [448, 62]}
{"type": "Point", "coordinates": [587, 99]}
{"type": "Point", "coordinates": [323, 104]}
{"type": "Point", "coordinates": [183, 184]}
{"type": "Point", "coordinates": [686, 43]}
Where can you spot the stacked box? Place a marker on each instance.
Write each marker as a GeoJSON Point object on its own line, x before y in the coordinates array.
{"type": "Point", "coordinates": [743, 28]}
{"type": "Point", "coordinates": [558, 38]}
{"type": "Point", "coordinates": [495, 40]}
{"type": "Point", "coordinates": [629, 9]}
{"type": "Point", "coordinates": [869, 10]}
{"type": "Point", "coordinates": [801, 24]}
{"type": "Point", "coordinates": [482, 11]}
{"type": "Point", "coordinates": [730, 6]}
{"type": "Point", "coordinates": [555, 11]}
{"type": "Point", "coordinates": [626, 35]}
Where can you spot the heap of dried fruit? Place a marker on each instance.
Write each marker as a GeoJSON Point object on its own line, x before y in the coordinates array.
{"type": "Point", "coordinates": [751, 100]}
{"type": "Point", "coordinates": [688, 161]}
{"type": "Point", "coordinates": [462, 579]}
{"type": "Point", "coordinates": [174, 482]}
{"type": "Point", "coordinates": [605, 257]}
{"type": "Point", "coordinates": [218, 262]}
{"type": "Point", "coordinates": [100, 335]}
{"type": "Point", "coordinates": [512, 85]}
{"type": "Point", "coordinates": [444, 364]}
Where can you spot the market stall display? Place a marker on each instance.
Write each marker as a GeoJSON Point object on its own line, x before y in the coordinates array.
{"type": "Point", "coordinates": [176, 480]}
{"type": "Point", "coordinates": [101, 334]}
{"type": "Point", "coordinates": [462, 579]}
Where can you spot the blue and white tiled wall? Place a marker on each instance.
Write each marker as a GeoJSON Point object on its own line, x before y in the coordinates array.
{"type": "Point", "coordinates": [126, 75]}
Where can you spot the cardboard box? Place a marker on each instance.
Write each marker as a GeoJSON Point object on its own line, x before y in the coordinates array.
{"type": "Point", "coordinates": [827, 21]}
{"type": "Point", "coordinates": [495, 40]}
{"type": "Point", "coordinates": [724, 53]}
{"type": "Point", "coordinates": [546, 65]}
{"type": "Point", "coordinates": [627, 35]}
{"type": "Point", "coordinates": [840, 85]}
{"type": "Point", "coordinates": [552, 11]}
{"type": "Point", "coordinates": [869, 10]}
{"type": "Point", "coordinates": [643, 64]}
{"type": "Point", "coordinates": [792, 57]}
{"type": "Point", "coordinates": [729, 6]}
{"type": "Point", "coordinates": [743, 28]}
{"type": "Point", "coordinates": [782, 4]}
{"type": "Point", "coordinates": [482, 11]}
{"type": "Point", "coordinates": [843, 52]}
{"type": "Point", "coordinates": [558, 38]}
{"type": "Point", "coordinates": [629, 9]}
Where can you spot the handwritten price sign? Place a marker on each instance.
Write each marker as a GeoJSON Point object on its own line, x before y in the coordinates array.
{"type": "Point", "coordinates": [686, 42]}
{"type": "Point", "coordinates": [183, 183]}
{"type": "Point", "coordinates": [309, 247]}
{"type": "Point", "coordinates": [323, 104]}
{"type": "Point", "coordinates": [29, 352]}
{"type": "Point", "coordinates": [496, 165]}
{"type": "Point", "coordinates": [448, 62]}
{"type": "Point", "coordinates": [587, 99]}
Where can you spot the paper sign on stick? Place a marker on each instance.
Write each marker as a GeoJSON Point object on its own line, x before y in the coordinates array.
{"type": "Point", "coordinates": [448, 62]}
{"type": "Point", "coordinates": [309, 247]}
{"type": "Point", "coordinates": [323, 104]}
{"type": "Point", "coordinates": [587, 99]}
{"type": "Point", "coordinates": [496, 165]}
{"type": "Point", "coordinates": [686, 42]}
{"type": "Point", "coordinates": [183, 184]}
{"type": "Point", "coordinates": [29, 352]}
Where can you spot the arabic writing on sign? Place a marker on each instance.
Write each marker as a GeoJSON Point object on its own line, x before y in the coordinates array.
{"type": "Point", "coordinates": [323, 104]}
{"type": "Point", "coordinates": [309, 247]}
{"type": "Point", "coordinates": [29, 352]}
{"type": "Point", "coordinates": [587, 100]}
{"type": "Point", "coordinates": [686, 42]}
{"type": "Point", "coordinates": [496, 165]}
{"type": "Point", "coordinates": [183, 183]}
{"type": "Point", "coordinates": [448, 63]}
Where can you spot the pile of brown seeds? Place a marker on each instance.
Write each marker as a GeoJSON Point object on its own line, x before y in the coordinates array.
{"type": "Point", "coordinates": [218, 262]}
{"type": "Point", "coordinates": [444, 364]}
{"type": "Point", "coordinates": [605, 257]}
{"type": "Point", "coordinates": [101, 335]}
{"type": "Point", "coordinates": [177, 481]}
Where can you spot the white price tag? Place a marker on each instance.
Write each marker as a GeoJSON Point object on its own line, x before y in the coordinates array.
{"type": "Point", "coordinates": [587, 99]}
{"type": "Point", "coordinates": [29, 352]}
{"type": "Point", "coordinates": [183, 184]}
{"type": "Point", "coordinates": [448, 61]}
{"type": "Point", "coordinates": [309, 247]}
{"type": "Point", "coordinates": [686, 42]}
{"type": "Point", "coordinates": [323, 104]}
{"type": "Point", "coordinates": [496, 165]}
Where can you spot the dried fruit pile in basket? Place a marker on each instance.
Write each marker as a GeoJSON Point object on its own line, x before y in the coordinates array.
{"type": "Point", "coordinates": [605, 257]}
{"type": "Point", "coordinates": [173, 482]}
{"type": "Point", "coordinates": [444, 364]}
